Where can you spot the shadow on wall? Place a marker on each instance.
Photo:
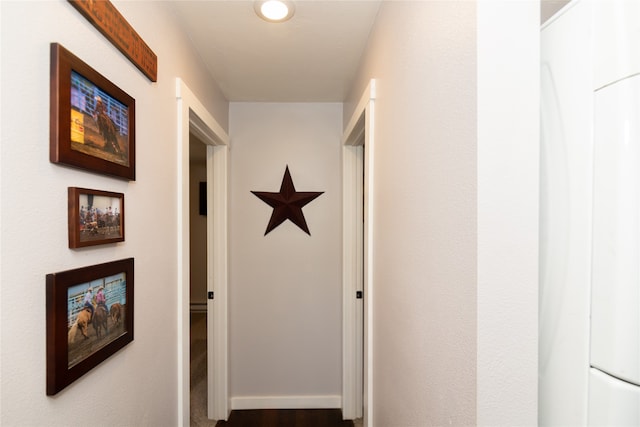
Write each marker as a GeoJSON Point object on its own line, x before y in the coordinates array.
{"type": "Point", "coordinates": [549, 7]}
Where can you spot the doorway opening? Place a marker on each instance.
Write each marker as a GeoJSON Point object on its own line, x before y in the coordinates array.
{"type": "Point", "coordinates": [358, 295]}
{"type": "Point", "coordinates": [193, 118]}
{"type": "Point", "coordinates": [198, 281]}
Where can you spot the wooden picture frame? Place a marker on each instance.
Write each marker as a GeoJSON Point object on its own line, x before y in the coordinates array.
{"type": "Point", "coordinates": [92, 121]}
{"type": "Point", "coordinates": [95, 217]}
{"type": "Point", "coordinates": [74, 347]}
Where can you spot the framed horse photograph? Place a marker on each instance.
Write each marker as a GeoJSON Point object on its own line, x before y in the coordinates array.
{"type": "Point", "coordinates": [95, 217]}
{"type": "Point", "coordinates": [89, 318]}
{"type": "Point", "coordinates": [92, 121]}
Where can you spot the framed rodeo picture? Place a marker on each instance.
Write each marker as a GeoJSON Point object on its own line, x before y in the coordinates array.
{"type": "Point", "coordinates": [95, 217]}
{"type": "Point", "coordinates": [92, 121]}
{"type": "Point", "coordinates": [89, 318]}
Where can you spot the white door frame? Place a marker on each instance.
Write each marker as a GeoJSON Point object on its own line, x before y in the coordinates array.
{"type": "Point", "coordinates": [194, 117]}
{"type": "Point", "coordinates": [357, 183]}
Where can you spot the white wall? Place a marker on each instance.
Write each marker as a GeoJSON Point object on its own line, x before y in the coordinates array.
{"type": "Point", "coordinates": [456, 306]}
{"type": "Point", "coordinates": [285, 287]}
{"type": "Point", "coordinates": [423, 57]}
{"type": "Point", "coordinates": [137, 386]}
{"type": "Point", "coordinates": [508, 171]}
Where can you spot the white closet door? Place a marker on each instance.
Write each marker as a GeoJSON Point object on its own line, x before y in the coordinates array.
{"type": "Point", "coordinates": [612, 402]}
{"type": "Point", "coordinates": [615, 312]}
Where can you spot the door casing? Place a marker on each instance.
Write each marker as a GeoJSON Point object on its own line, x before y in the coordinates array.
{"type": "Point", "coordinates": [195, 118]}
{"type": "Point", "coordinates": [358, 163]}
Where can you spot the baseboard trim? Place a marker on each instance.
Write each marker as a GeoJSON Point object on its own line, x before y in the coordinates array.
{"type": "Point", "coordinates": [198, 307]}
{"type": "Point", "coordinates": [286, 402]}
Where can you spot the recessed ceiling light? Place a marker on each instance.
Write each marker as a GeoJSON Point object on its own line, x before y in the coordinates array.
{"type": "Point", "coordinates": [274, 10]}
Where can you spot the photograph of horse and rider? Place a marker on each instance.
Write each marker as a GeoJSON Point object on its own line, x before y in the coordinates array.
{"type": "Point", "coordinates": [99, 217]}
{"type": "Point", "coordinates": [95, 315]}
{"type": "Point", "coordinates": [99, 122]}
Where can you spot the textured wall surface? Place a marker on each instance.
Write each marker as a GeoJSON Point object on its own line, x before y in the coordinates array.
{"type": "Point", "coordinates": [508, 177]}
{"type": "Point", "coordinates": [423, 57]}
{"type": "Point", "coordinates": [136, 386]}
{"type": "Point", "coordinates": [456, 189]}
{"type": "Point", "coordinates": [285, 288]}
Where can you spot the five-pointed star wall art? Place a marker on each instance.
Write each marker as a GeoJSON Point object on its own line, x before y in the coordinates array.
{"type": "Point", "coordinates": [287, 204]}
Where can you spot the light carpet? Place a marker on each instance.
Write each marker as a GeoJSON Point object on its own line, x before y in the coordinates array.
{"type": "Point", "coordinates": [198, 389]}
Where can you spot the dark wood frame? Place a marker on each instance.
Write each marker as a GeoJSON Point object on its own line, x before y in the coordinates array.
{"type": "Point", "coordinates": [59, 375]}
{"type": "Point", "coordinates": [75, 232]}
{"type": "Point", "coordinates": [63, 63]}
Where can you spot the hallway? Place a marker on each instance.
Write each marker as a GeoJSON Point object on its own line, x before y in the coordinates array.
{"type": "Point", "coordinates": [454, 212]}
{"type": "Point", "coordinates": [247, 418]}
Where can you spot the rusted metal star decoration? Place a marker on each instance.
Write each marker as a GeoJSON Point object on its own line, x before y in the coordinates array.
{"type": "Point", "coordinates": [287, 204]}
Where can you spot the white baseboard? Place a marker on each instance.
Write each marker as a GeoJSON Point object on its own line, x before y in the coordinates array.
{"type": "Point", "coordinates": [286, 402]}
{"type": "Point", "coordinates": [198, 307]}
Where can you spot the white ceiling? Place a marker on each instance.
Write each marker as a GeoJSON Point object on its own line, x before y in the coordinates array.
{"type": "Point", "coordinates": [313, 57]}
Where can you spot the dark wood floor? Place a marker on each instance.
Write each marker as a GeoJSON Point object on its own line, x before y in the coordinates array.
{"type": "Point", "coordinates": [286, 418]}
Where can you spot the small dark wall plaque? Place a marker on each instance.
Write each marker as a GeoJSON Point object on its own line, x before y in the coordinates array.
{"type": "Point", "coordinates": [106, 18]}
